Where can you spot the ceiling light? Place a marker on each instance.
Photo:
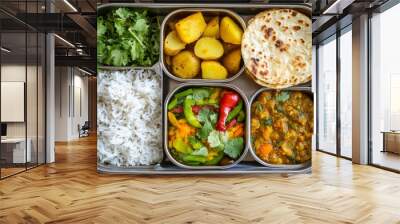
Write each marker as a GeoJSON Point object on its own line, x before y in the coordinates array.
{"type": "Point", "coordinates": [5, 50]}
{"type": "Point", "coordinates": [70, 5]}
{"type": "Point", "coordinates": [84, 71]}
{"type": "Point", "coordinates": [64, 40]}
{"type": "Point", "coordinates": [338, 6]}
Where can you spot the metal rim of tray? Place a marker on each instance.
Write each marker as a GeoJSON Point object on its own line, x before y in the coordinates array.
{"type": "Point", "coordinates": [162, 170]}
{"type": "Point", "coordinates": [252, 151]}
{"type": "Point", "coordinates": [164, 24]}
{"type": "Point", "coordinates": [222, 85]}
{"type": "Point", "coordinates": [158, 168]}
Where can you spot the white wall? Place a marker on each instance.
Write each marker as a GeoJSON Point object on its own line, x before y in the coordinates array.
{"type": "Point", "coordinates": [70, 84]}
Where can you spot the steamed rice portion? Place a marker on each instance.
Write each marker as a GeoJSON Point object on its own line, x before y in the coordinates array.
{"type": "Point", "coordinates": [129, 118]}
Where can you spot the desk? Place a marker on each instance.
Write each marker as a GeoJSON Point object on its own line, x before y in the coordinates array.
{"type": "Point", "coordinates": [391, 141]}
{"type": "Point", "coordinates": [16, 147]}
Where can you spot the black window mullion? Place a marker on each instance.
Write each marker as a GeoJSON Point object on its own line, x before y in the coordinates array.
{"type": "Point", "coordinates": [0, 97]}
{"type": "Point", "coordinates": [37, 90]}
{"type": "Point", "coordinates": [338, 100]}
{"type": "Point", "coordinates": [316, 97]}
{"type": "Point", "coordinates": [26, 87]}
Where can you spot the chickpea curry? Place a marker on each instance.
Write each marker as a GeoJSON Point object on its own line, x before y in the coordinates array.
{"type": "Point", "coordinates": [282, 127]}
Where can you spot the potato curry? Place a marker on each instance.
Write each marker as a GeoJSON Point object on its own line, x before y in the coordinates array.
{"type": "Point", "coordinates": [282, 127]}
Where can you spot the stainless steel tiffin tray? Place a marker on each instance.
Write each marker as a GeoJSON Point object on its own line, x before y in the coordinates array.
{"type": "Point", "coordinates": [240, 81]}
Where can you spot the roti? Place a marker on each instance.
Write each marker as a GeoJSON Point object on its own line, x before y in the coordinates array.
{"type": "Point", "coordinates": [277, 48]}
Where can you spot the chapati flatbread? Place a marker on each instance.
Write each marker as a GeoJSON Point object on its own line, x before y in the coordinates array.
{"type": "Point", "coordinates": [277, 48]}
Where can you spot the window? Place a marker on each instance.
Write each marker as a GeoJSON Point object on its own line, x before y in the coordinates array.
{"type": "Point", "coordinates": [346, 92]}
{"type": "Point", "coordinates": [327, 96]}
{"type": "Point", "coordinates": [385, 89]}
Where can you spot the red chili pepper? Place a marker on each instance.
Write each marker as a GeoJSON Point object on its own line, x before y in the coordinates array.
{"type": "Point", "coordinates": [228, 102]}
{"type": "Point", "coordinates": [178, 110]}
{"type": "Point", "coordinates": [231, 124]}
{"type": "Point", "coordinates": [196, 109]}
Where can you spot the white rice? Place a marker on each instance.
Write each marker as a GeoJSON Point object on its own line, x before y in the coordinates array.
{"type": "Point", "coordinates": [129, 118]}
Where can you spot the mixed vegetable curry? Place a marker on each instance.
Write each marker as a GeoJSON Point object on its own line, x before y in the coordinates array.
{"type": "Point", "coordinates": [206, 126]}
{"type": "Point", "coordinates": [282, 127]}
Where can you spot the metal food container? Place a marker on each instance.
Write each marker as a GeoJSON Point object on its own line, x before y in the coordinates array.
{"type": "Point", "coordinates": [251, 149]}
{"type": "Point", "coordinates": [100, 133]}
{"type": "Point", "coordinates": [222, 85]}
{"type": "Point", "coordinates": [153, 12]}
{"type": "Point", "coordinates": [207, 12]}
{"type": "Point", "coordinates": [247, 162]}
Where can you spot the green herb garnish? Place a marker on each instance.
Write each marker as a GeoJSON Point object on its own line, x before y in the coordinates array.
{"type": "Point", "coordinates": [127, 36]}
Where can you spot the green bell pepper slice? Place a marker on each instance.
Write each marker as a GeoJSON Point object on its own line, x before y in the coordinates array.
{"type": "Point", "coordinates": [173, 103]}
{"type": "Point", "coordinates": [236, 110]}
{"type": "Point", "coordinates": [189, 115]}
{"type": "Point", "coordinates": [181, 147]}
{"type": "Point", "coordinates": [216, 159]}
{"type": "Point", "coordinates": [196, 144]}
{"type": "Point", "coordinates": [184, 93]}
{"type": "Point", "coordinates": [241, 116]}
{"type": "Point", "coordinates": [193, 158]}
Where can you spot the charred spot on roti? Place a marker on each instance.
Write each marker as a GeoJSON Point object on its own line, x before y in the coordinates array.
{"type": "Point", "coordinates": [300, 21]}
{"type": "Point", "coordinates": [264, 27]}
{"type": "Point", "coordinates": [294, 13]}
{"type": "Point", "coordinates": [296, 28]}
{"type": "Point", "coordinates": [264, 73]}
{"type": "Point", "coordinates": [278, 43]}
{"type": "Point", "coordinates": [268, 32]}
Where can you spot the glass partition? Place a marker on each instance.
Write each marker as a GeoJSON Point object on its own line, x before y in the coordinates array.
{"type": "Point", "coordinates": [327, 96]}
{"type": "Point", "coordinates": [22, 77]}
{"type": "Point", "coordinates": [14, 153]}
{"type": "Point", "coordinates": [346, 92]}
{"type": "Point", "coordinates": [385, 89]}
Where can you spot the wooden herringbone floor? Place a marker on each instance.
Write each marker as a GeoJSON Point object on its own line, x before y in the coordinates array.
{"type": "Point", "coordinates": [70, 191]}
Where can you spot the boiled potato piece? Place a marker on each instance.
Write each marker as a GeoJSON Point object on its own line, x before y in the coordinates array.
{"type": "Point", "coordinates": [213, 70]}
{"type": "Point", "coordinates": [172, 44]}
{"type": "Point", "coordinates": [168, 60]}
{"type": "Point", "coordinates": [212, 29]}
{"type": "Point", "coordinates": [185, 65]}
{"type": "Point", "coordinates": [229, 47]}
{"type": "Point", "coordinates": [232, 61]}
{"type": "Point", "coordinates": [208, 48]}
{"type": "Point", "coordinates": [230, 32]}
{"type": "Point", "coordinates": [191, 28]}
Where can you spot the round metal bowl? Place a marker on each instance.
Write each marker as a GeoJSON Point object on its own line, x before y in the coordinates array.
{"type": "Point", "coordinates": [207, 12]}
{"type": "Point", "coordinates": [251, 149]}
{"type": "Point", "coordinates": [222, 85]}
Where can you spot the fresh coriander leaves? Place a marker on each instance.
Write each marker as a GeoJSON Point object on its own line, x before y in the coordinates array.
{"type": "Point", "coordinates": [127, 37]}
{"type": "Point", "coordinates": [282, 96]}
{"type": "Point", "coordinates": [233, 147]}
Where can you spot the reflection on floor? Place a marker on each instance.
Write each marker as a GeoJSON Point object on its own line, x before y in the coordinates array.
{"type": "Point", "coordinates": [11, 169]}
{"type": "Point", "coordinates": [386, 159]}
{"type": "Point", "coordinates": [71, 191]}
